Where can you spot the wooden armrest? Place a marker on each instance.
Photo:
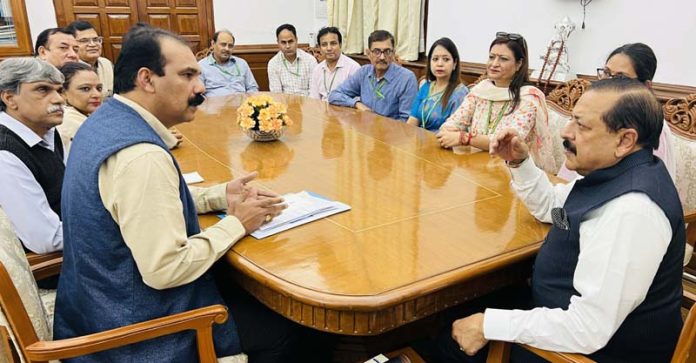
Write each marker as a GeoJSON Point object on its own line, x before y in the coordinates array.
{"type": "Point", "coordinates": [200, 320]}
{"type": "Point", "coordinates": [47, 268]}
{"type": "Point", "coordinates": [689, 294]}
{"type": "Point", "coordinates": [499, 352]}
{"type": "Point", "coordinates": [34, 258]}
{"type": "Point", "coordinates": [556, 357]}
{"type": "Point", "coordinates": [690, 216]}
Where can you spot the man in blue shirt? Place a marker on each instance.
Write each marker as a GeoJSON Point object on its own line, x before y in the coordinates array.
{"type": "Point", "coordinates": [224, 74]}
{"type": "Point", "coordinates": [382, 87]}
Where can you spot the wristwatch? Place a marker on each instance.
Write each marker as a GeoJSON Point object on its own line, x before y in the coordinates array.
{"type": "Point", "coordinates": [515, 163]}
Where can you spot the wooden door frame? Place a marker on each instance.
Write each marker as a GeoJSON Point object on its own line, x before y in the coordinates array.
{"type": "Point", "coordinates": [61, 16]}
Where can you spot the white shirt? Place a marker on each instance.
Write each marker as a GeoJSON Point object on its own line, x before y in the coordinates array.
{"type": "Point", "coordinates": [612, 275]}
{"type": "Point", "coordinates": [291, 78]}
{"type": "Point", "coordinates": [324, 80]}
{"type": "Point", "coordinates": [23, 199]}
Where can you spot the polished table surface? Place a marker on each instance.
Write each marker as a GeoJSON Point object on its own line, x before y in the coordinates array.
{"type": "Point", "coordinates": [428, 228]}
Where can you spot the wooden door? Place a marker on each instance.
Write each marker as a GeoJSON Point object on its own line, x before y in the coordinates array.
{"type": "Point", "coordinates": [188, 18]}
{"type": "Point", "coordinates": [192, 19]}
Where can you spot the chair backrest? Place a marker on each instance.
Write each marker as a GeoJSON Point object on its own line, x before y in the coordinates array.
{"type": "Point", "coordinates": [680, 114]}
{"type": "Point", "coordinates": [23, 313]}
{"type": "Point", "coordinates": [203, 53]}
{"type": "Point", "coordinates": [560, 104]}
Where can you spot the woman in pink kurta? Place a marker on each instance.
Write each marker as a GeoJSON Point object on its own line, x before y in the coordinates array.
{"type": "Point", "coordinates": [501, 102]}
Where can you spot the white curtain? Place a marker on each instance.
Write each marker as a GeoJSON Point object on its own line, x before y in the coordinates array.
{"type": "Point", "coordinates": [358, 18]}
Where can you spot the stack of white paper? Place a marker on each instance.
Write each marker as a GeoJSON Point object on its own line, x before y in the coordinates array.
{"type": "Point", "coordinates": [303, 207]}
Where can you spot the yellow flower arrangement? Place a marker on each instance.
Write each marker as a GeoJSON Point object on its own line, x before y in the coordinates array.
{"type": "Point", "coordinates": [262, 113]}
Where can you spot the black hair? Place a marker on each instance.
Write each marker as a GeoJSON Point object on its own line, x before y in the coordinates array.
{"type": "Point", "coordinates": [332, 30]}
{"type": "Point", "coordinates": [288, 27]}
{"type": "Point", "coordinates": [141, 49]}
{"type": "Point", "coordinates": [379, 36]}
{"type": "Point", "coordinates": [454, 79]}
{"type": "Point", "coordinates": [70, 69]}
{"type": "Point", "coordinates": [642, 58]}
{"type": "Point", "coordinates": [518, 47]}
{"type": "Point", "coordinates": [217, 33]}
{"type": "Point", "coordinates": [135, 29]}
{"type": "Point", "coordinates": [42, 38]}
{"type": "Point", "coordinates": [636, 108]}
{"type": "Point", "coordinates": [80, 25]}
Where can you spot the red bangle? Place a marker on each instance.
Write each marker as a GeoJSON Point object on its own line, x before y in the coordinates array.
{"type": "Point", "coordinates": [468, 140]}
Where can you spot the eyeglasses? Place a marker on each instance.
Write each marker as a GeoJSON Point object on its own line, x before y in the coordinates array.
{"type": "Point", "coordinates": [97, 40]}
{"type": "Point", "coordinates": [378, 52]}
{"type": "Point", "coordinates": [509, 36]}
{"type": "Point", "coordinates": [603, 73]}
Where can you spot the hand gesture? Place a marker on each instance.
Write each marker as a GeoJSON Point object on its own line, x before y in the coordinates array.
{"type": "Point", "coordinates": [468, 333]}
{"type": "Point", "coordinates": [253, 210]}
{"type": "Point", "coordinates": [508, 146]}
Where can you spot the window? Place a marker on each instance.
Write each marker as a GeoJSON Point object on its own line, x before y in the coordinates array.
{"type": "Point", "coordinates": [14, 29]}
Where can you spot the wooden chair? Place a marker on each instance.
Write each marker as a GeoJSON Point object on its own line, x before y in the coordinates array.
{"type": "Point", "coordinates": [680, 116]}
{"type": "Point", "coordinates": [203, 53]}
{"type": "Point", "coordinates": [25, 328]}
{"type": "Point", "coordinates": [499, 352]}
{"type": "Point", "coordinates": [561, 102]}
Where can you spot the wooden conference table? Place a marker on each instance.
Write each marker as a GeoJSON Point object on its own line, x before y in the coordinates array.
{"type": "Point", "coordinates": [428, 228]}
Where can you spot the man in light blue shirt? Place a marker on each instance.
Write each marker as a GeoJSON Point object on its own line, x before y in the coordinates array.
{"type": "Point", "coordinates": [224, 74]}
{"type": "Point", "coordinates": [382, 87]}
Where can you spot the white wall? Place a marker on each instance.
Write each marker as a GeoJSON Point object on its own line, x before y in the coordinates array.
{"type": "Point", "coordinates": [255, 22]}
{"type": "Point", "coordinates": [668, 26]}
{"type": "Point", "coordinates": [41, 15]}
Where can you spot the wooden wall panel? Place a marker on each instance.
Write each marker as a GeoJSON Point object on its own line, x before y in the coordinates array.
{"type": "Point", "coordinates": [193, 19]}
{"type": "Point", "coordinates": [86, 3]}
{"type": "Point", "coordinates": [110, 3]}
{"type": "Point", "coordinates": [187, 24]}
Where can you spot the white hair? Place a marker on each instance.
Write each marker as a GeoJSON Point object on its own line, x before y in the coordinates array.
{"type": "Point", "coordinates": [15, 71]}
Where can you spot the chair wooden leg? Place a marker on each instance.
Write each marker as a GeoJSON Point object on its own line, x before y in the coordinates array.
{"type": "Point", "coordinates": [498, 352]}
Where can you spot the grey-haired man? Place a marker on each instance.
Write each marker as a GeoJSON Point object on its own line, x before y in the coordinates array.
{"type": "Point", "coordinates": [31, 153]}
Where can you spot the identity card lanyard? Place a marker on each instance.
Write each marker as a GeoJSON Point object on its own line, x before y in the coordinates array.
{"type": "Point", "coordinates": [490, 128]}
{"type": "Point", "coordinates": [297, 66]}
{"type": "Point", "coordinates": [328, 89]}
{"type": "Point", "coordinates": [223, 70]}
{"type": "Point", "coordinates": [437, 97]}
{"type": "Point", "coordinates": [377, 88]}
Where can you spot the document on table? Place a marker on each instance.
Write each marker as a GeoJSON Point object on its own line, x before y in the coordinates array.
{"type": "Point", "coordinates": [303, 207]}
{"type": "Point", "coordinates": [192, 178]}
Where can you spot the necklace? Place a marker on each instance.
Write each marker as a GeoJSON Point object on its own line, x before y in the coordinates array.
{"type": "Point", "coordinates": [490, 128]}
{"type": "Point", "coordinates": [297, 66]}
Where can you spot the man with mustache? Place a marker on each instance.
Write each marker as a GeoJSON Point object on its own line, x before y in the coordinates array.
{"type": "Point", "coordinates": [90, 51]}
{"type": "Point", "coordinates": [31, 152]}
{"type": "Point", "coordinates": [382, 87]}
{"type": "Point", "coordinates": [607, 280]}
{"type": "Point", "coordinates": [335, 68]}
{"type": "Point", "coordinates": [134, 250]}
{"type": "Point", "coordinates": [290, 69]}
{"type": "Point", "coordinates": [222, 73]}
